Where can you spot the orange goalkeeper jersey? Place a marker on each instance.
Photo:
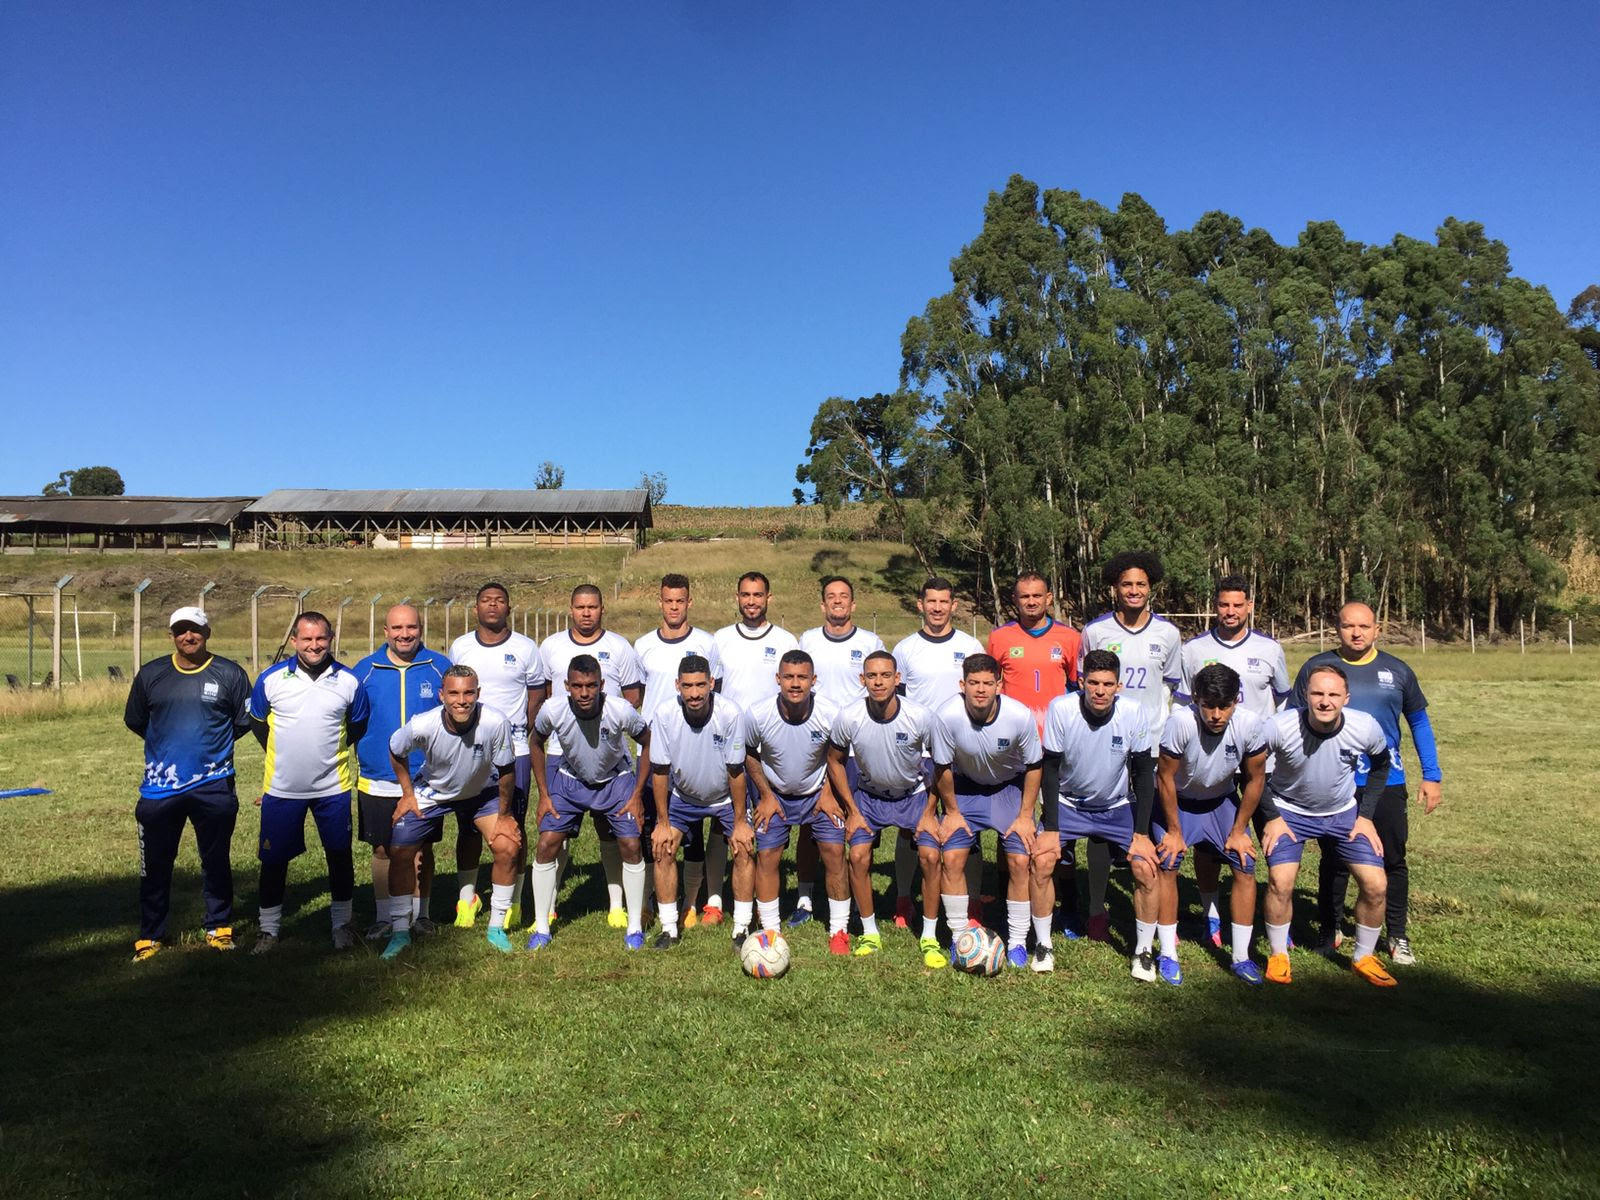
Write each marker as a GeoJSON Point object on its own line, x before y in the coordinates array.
{"type": "Point", "coordinates": [1038, 666]}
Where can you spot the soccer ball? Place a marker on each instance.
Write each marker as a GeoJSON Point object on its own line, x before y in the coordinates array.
{"type": "Point", "coordinates": [765, 955]}
{"type": "Point", "coordinates": [978, 952]}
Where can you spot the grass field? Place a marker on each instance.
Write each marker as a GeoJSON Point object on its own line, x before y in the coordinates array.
{"type": "Point", "coordinates": [585, 1071]}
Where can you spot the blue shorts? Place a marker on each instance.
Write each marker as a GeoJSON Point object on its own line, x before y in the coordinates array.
{"type": "Point", "coordinates": [799, 810]}
{"type": "Point", "coordinates": [1206, 823]}
{"type": "Point", "coordinates": [682, 812]}
{"type": "Point", "coordinates": [417, 827]}
{"type": "Point", "coordinates": [985, 806]}
{"type": "Point", "coordinates": [283, 825]}
{"type": "Point", "coordinates": [572, 798]}
{"type": "Point", "coordinates": [1111, 825]}
{"type": "Point", "coordinates": [880, 814]}
{"type": "Point", "coordinates": [1331, 832]}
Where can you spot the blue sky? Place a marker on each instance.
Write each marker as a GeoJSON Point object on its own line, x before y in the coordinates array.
{"type": "Point", "coordinates": [252, 245]}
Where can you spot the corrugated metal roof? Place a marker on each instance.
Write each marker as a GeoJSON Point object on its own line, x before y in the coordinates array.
{"type": "Point", "coordinates": [629, 502]}
{"type": "Point", "coordinates": [142, 512]}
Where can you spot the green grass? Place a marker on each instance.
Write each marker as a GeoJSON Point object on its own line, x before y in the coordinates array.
{"type": "Point", "coordinates": [585, 1071]}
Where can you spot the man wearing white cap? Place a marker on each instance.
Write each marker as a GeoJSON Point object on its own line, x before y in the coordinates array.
{"type": "Point", "coordinates": [189, 707]}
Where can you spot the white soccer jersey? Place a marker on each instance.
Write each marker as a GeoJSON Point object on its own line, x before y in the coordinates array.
{"type": "Point", "coordinates": [309, 753]}
{"type": "Point", "coordinates": [840, 661]}
{"type": "Point", "coordinates": [1208, 763]}
{"type": "Point", "coordinates": [930, 668]}
{"type": "Point", "coordinates": [989, 754]}
{"type": "Point", "coordinates": [794, 756]}
{"type": "Point", "coordinates": [455, 766]}
{"type": "Point", "coordinates": [1094, 757]}
{"type": "Point", "coordinates": [1263, 673]}
{"type": "Point", "coordinates": [750, 661]}
{"type": "Point", "coordinates": [1316, 775]}
{"type": "Point", "coordinates": [697, 760]}
{"type": "Point", "coordinates": [888, 753]}
{"type": "Point", "coordinates": [506, 670]}
{"type": "Point", "coordinates": [1151, 660]}
{"type": "Point", "coordinates": [619, 665]}
{"type": "Point", "coordinates": [659, 658]}
{"type": "Point", "coordinates": [593, 750]}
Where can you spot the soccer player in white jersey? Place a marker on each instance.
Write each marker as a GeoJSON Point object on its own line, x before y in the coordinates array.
{"type": "Point", "coordinates": [930, 673]}
{"type": "Point", "coordinates": [467, 757]}
{"type": "Point", "coordinates": [1099, 783]}
{"type": "Point", "coordinates": [619, 666]}
{"type": "Point", "coordinates": [1263, 687]}
{"type": "Point", "coordinates": [596, 776]}
{"type": "Point", "coordinates": [751, 647]}
{"type": "Point", "coordinates": [786, 759]}
{"type": "Point", "coordinates": [889, 737]}
{"type": "Point", "coordinates": [1312, 795]}
{"type": "Point", "coordinates": [514, 682]}
{"type": "Point", "coordinates": [660, 651]}
{"type": "Point", "coordinates": [987, 765]}
{"type": "Point", "coordinates": [839, 647]}
{"type": "Point", "coordinates": [697, 767]}
{"type": "Point", "coordinates": [308, 712]}
{"type": "Point", "coordinates": [1208, 746]}
{"type": "Point", "coordinates": [1149, 647]}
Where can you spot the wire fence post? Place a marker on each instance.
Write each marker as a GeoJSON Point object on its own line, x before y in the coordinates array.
{"type": "Point", "coordinates": [1422, 627]}
{"type": "Point", "coordinates": [55, 631]}
{"type": "Point", "coordinates": [372, 622]}
{"type": "Point", "coordinates": [204, 592]}
{"type": "Point", "coordinates": [1569, 635]}
{"type": "Point", "coordinates": [255, 629]}
{"type": "Point", "coordinates": [138, 625]}
{"type": "Point", "coordinates": [426, 605]}
{"type": "Point", "coordinates": [1472, 634]}
{"type": "Point", "coordinates": [338, 627]}
{"type": "Point", "coordinates": [1522, 636]}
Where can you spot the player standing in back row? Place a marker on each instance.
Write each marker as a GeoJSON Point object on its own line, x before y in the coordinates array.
{"type": "Point", "coordinates": [1149, 649]}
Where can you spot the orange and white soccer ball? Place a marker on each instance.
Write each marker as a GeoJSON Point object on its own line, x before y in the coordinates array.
{"type": "Point", "coordinates": [765, 955]}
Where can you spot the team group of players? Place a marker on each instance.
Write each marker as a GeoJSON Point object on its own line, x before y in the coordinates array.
{"type": "Point", "coordinates": [1125, 736]}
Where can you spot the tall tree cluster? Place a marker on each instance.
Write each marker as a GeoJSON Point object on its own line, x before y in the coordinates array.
{"type": "Point", "coordinates": [1407, 424]}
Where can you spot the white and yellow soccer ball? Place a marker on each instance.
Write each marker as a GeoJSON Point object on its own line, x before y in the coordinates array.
{"type": "Point", "coordinates": [765, 955]}
{"type": "Point", "coordinates": [978, 952]}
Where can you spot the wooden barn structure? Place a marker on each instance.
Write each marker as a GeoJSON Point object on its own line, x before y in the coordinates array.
{"type": "Point", "coordinates": [118, 523]}
{"type": "Point", "coordinates": [445, 518]}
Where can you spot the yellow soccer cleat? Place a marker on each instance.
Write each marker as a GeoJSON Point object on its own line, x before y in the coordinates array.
{"type": "Point", "coordinates": [932, 956]}
{"type": "Point", "coordinates": [467, 912]}
{"type": "Point", "coordinates": [617, 918]}
{"type": "Point", "coordinates": [1278, 969]}
{"type": "Point", "coordinates": [1370, 969]}
{"type": "Point", "coordinates": [868, 943]}
{"type": "Point", "coordinates": [514, 916]}
{"type": "Point", "coordinates": [691, 918]}
{"type": "Point", "coordinates": [220, 938]}
{"type": "Point", "coordinates": [145, 948]}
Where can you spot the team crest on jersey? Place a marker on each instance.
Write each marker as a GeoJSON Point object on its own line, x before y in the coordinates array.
{"type": "Point", "coordinates": [818, 737]}
{"type": "Point", "coordinates": [960, 657]}
{"type": "Point", "coordinates": [1002, 743]}
{"type": "Point", "coordinates": [1386, 678]}
{"type": "Point", "coordinates": [1055, 653]}
{"type": "Point", "coordinates": [210, 691]}
{"type": "Point", "coordinates": [901, 737]}
{"type": "Point", "coordinates": [1014, 652]}
{"type": "Point", "coordinates": [1157, 651]}
{"type": "Point", "coordinates": [718, 740]}
{"type": "Point", "coordinates": [1253, 664]}
{"type": "Point", "coordinates": [1230, 751]}
{"type": "Point", "coordinates": [425, 691]}
{"type": "Point", "coordinates": [604, 656]}
{"type": "Point", "coordinates": [769, 652]}
{"type": "Point", "coordinates": [511, 659]}
{"type": "Point", "coordinates": [1351, 759]}
{"type": "Point", "coordinates": [855, 656]}
{"type": "Point", "coordinates": [607, 736]}
{"type": "Point", "coordinates": [1116, 741]}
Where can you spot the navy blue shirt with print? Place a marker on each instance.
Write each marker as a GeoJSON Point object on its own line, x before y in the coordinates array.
{"type": "Point", "coordinates": [189, 720]}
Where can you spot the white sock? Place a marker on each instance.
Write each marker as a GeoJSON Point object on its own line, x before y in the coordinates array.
{"type": "Point", "coordinates": [669, 916]}
{"type": "Point", "coordinates": [271, 918]}
{"type": "Point", "coordinates": [955, 912]}
{"type": "Point", "coordinates": [803, 895]}
{"type": "Point", "coordinates": [769, 914]}
{"type": "Point", "coordinates": [743, 910]}
{"type": "Point", "coordinates": [1208, 904]}
{"type": "Point", "coordinates": [467, 884]}
{"type": "Point", "coordinates": [1144, 934]}
{"type": "Point", "coordinates": [1017, 917]}
{"type": "Point", "coordinates": [544, 894]}
{"type": "Point", "coordinates": [838, 915]}
{"type": "Point", "coordinates": [1167, 936]}
{"type": "Point", "coordinates": [611, 861]}
{"type": "Point", "coordinates": [499, 904]}
{"type": "Point", "coordinates": [633, 894]}
{"type": "Point", "coordinates": [1099, 877]}
{"type": "Point", "coordinates": [930, 927]}
{"type": "Point", "coordinates": [1241, 941]}
{"type": "Point", "coordinates": [905, 864]}
{"type": "Point", "coordinates": [714, 900]}
{"type": "Point", "coordinates": [342, 911]}
{"type": "Point", "coordinates": [1366, 942]}
{"type": "Point", "coordinates": [869, 926]}
{"type": "Point", "coordinates": [1277, 938]}
{"type": "Point", "coordinates": [1041, 932]}
{"type": "Point", "coordinates": [400, 913]}
{"type": "Point", "coordinates": [419, 905]}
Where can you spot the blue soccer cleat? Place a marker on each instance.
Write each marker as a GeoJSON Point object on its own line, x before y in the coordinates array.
{"type": "Point", "coordinates": [1248, 972]}
{"type": "Point", "coordinates": [537, 940]}
{"type": "Point", "coordinates": [798, 917]}
{"type": "Point", "coordinates": [1017, 956]}
{"type": "Point", "coordinates": [399, 942]}
{"type": "Point", "coordinates": [1169, 970]}
{"type": "Point", "coordinates": [497, 938]}
{"type": "Point", "coordinates": [634, 941]}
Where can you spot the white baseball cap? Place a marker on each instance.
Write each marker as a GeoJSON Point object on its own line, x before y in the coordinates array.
{"type": "Point", "coordinates": [189, 614]}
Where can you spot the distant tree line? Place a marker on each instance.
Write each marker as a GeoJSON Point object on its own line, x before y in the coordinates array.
{"type": "Point", "coordinates": [1408, 424]}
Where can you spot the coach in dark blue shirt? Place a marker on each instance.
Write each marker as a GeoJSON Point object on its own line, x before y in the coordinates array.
{"type": "Point", "coordinates": [189, 707]}
{"type": "Point", "coordinates": [1384, 688]}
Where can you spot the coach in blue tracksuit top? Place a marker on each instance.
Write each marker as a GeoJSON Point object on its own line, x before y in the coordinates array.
{"type": "Point", "coordinates": [1386, 689]}
{"type": "Point", "coordinates": [189, 707]}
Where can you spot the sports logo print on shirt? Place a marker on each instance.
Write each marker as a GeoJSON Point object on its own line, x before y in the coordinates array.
{"type": "Point", "coordinates": [512, 659]}
{"type": "Point", "coordinates": [1116, 741]}
{"type": "Point", "coordinates": [1055, 653]}
{"type": "Point", "coordinates": [1002, 743]}
{"type": "Point", "coordinates": [210, 691]}
{"type": "Point", "coordinates": [425, 692]}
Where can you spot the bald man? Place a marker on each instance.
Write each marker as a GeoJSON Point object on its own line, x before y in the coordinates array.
{"type": "Point", "coordinates": [1386, 689]}
{"type": "Point", "coordinates": [401, 679]}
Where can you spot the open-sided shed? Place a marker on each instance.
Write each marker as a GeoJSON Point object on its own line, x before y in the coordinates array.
{"type": "Point", "coordinates": [97, 523]}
